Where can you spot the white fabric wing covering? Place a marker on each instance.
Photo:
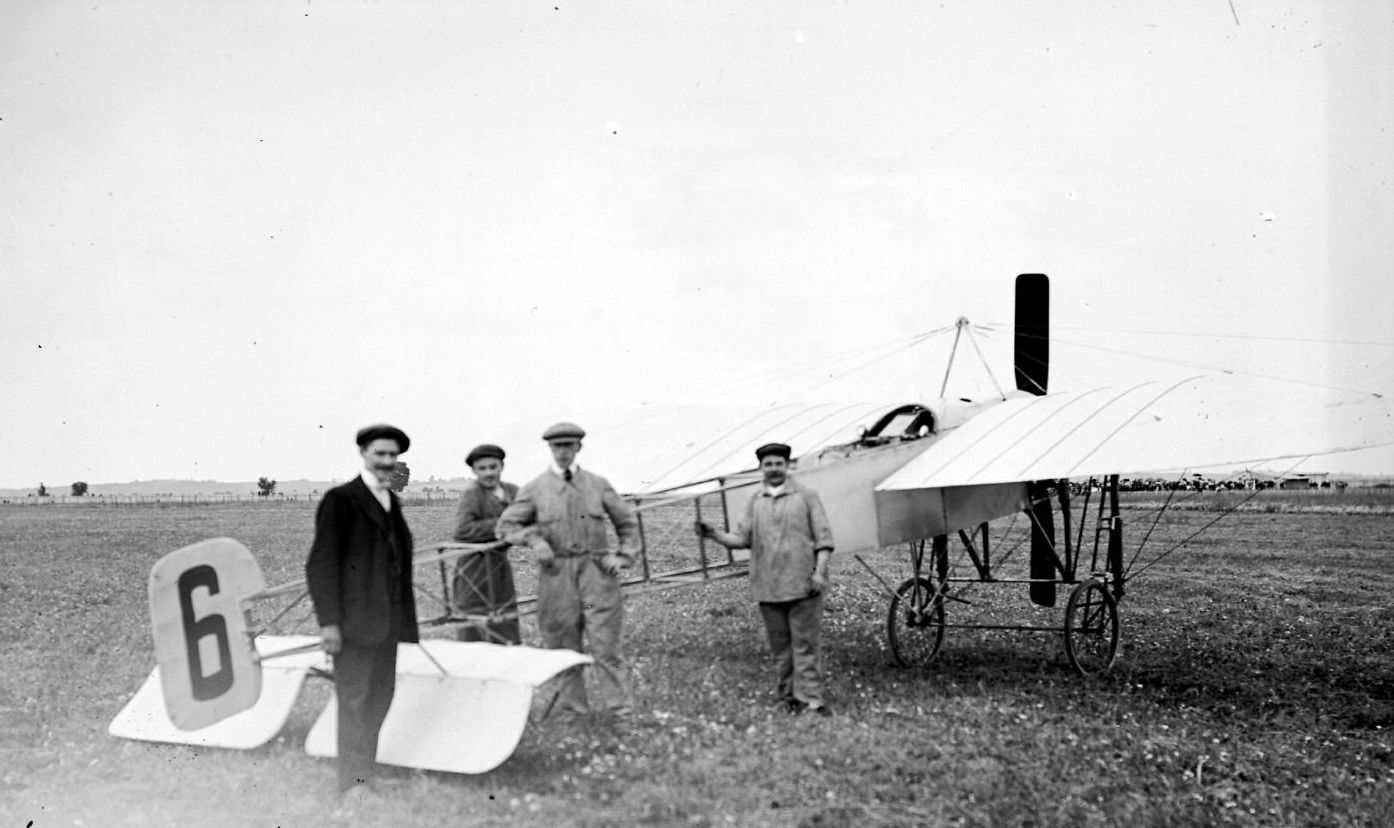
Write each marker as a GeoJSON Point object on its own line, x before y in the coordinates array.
{"type": "Point", "coordinates": [1152, 427]}
{"type": "Point", "coordinates": [466, 720]}
{"type": "Point", "coordinates": [722, 446]}
{"type": "Point", "coordinates": [145, 718]}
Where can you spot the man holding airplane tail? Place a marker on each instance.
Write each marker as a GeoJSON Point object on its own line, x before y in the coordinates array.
{"type": "Point", "coordinates": [790, 542]}
{"type": "Point", "coordinates": [360, 579]}
{"type": "Point", "coordinates": [560, 516]}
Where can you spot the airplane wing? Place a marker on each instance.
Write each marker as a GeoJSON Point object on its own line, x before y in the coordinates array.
{"type": "Point", "coordinates": [979, 470]}
{"type": "Point", "coordinates": [1149, 427]}
{"type": "Point", "coordinates": [717, 453]}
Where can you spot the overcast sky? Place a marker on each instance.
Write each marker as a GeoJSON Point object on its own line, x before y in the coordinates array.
{"type": "Point", "coordinates": [233, 233]}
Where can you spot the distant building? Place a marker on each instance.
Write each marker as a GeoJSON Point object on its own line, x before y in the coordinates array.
{"type": "Point", "coordinates": [1306, 481]}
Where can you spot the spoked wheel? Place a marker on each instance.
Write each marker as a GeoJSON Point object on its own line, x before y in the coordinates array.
{"type": "Point", "coordinates": [915, 624]}
{"type": "Point", "coordinates": [1091, 628]}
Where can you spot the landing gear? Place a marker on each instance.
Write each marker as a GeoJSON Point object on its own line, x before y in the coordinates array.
{"type": "Point", "coordinates": [1091, 628]}
{"type": "Point", "coordinates": [915, 624]}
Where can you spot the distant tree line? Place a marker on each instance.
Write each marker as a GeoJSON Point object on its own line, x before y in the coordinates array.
{"type": "Point", "coordinates": [1197, 483]}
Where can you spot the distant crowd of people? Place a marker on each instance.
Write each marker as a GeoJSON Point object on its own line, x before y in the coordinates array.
{"type": "Point", "coordinates": [360, 578]}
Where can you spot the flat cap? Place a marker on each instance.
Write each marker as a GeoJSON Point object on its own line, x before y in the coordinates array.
{"type": "Point", "coordinates": [368, 434]}
{"type": "Point", "coordinates": [778, 449]}
{"type": "Point", "coordinates": [564, 431]}
{"type": "Point", "coordinates": [481, 451]}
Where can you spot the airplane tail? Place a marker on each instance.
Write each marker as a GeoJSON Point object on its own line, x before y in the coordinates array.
{"type": "Point", "coordinates": [209, 667]}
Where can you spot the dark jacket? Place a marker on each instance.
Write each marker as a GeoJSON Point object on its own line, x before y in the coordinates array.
{"type": "Point", "coordinates": [478, 511]}
{"type": "Point", "coordinates": [359, 570]}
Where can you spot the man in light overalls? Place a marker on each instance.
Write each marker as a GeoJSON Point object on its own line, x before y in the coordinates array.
{"type": "Point", "coordinates": [560, 515]}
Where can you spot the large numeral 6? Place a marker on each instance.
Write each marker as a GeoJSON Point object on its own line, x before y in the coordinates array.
{"type": "Point", "coordinates": [204, 686]}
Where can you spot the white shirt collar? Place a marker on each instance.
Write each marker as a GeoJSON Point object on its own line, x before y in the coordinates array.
{"type": "Point", "coordinates": [378, 489]}
{"type": "Point", "coordinates": [776, 491]}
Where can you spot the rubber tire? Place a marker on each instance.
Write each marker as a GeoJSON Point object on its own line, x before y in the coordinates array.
{"type": "Point", "coordinates": [1091, 628]}
{"type": "Point", "coordinates": [914, 646]}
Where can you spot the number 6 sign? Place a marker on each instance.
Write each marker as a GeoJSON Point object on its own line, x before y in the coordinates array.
{"type": "Point", "coordinates": [208, 666]}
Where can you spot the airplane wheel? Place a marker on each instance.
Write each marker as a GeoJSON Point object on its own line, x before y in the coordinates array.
{"type": "Point", "coordinates": [1091, 628]}
{"type": "Point", "coordinates": [915, 624]}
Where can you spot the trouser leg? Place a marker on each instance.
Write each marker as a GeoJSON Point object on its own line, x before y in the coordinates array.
{"type": "Point", "coordinates": [805, 626]}
{"type": "Point", "coordinates": [559, 621]}
{"type": "Point", "coordinates": [364, 682]}
{"type": "Point", "coordinates": [603, 607]}
{"type": "Point", "coordinates": [776, 617]}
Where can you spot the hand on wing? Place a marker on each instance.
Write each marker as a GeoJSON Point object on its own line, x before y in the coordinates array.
{"type": "Point", "coordinates": [704, 529]}
{"type": "Point", "coordinates": [331, 639]}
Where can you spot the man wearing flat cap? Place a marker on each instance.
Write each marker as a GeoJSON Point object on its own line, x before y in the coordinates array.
{"type": "Point", "coordinates": [359, 575]}
{"type": "Point", "coordinates": [483, 583]}
{"type": "Point", "coordinates": [560, 516]}
{"type": "Point", "coordinates": [790, 541]}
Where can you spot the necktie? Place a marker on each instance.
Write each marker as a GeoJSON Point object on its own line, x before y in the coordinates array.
{"type": "Point", "coordinates": [566, 475]}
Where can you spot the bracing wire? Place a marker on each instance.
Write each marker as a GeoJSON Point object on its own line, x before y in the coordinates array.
{"type": "Point", "coordinates": [880, 355]}
{"type": "Point", "coordinates": [1148, 534]}
{"type": "Point", "coordinates": [1006, 533]}
{"type": "Point", "coordinates": [1018, 358]}
{"type": "Point", "coordinates": [1301, 339]}
{"type": "Point", "coordinates": [714, 464]}
{"type": "Point", "coordinates": [760, 378]}
{"type": "Point", "coordinates": [718, 440]}
{"type": "Point", "coordinates": [1208, 367]}
{"type": "Point", "coordinates": [972, 340]}
{"type": "Point", "coordinates": [1227, 512]}
{"type": "Point", "coordinates": [1000, 561]}
{"type": "Point", "coordinates": [854, 369]}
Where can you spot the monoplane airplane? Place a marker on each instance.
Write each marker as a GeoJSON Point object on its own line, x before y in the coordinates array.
{"type": "Point", "coordinates": [919, 474]}
{"type": "Point", "coordinates": [924, 472]}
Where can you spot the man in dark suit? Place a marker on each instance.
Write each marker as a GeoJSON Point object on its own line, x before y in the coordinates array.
{"type": "Point", "coordinates": [360, 579]}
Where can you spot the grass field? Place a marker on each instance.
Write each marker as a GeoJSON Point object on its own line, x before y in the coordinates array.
{"type": "Point", "coordinates": [1255, 687]}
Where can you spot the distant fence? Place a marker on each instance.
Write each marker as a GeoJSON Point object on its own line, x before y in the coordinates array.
{"type": "Point", "coordinates": [409, 498]}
